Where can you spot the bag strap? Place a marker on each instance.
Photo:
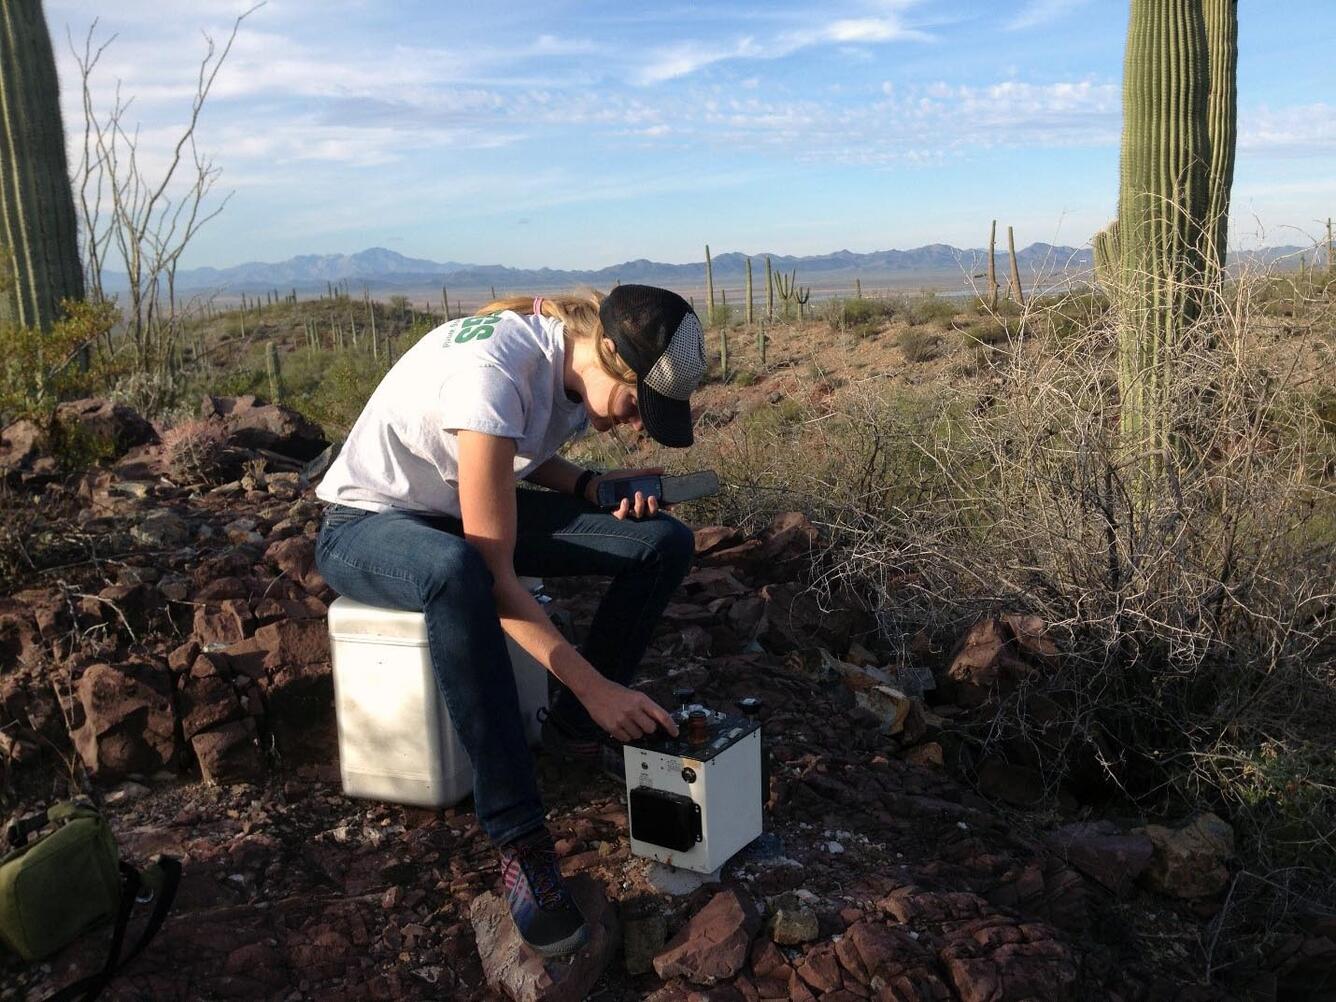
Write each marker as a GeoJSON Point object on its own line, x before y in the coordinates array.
{"type": "Point", "coordinates": [89, 988]}
{"type": "Point", "coordinates": [19, 831]}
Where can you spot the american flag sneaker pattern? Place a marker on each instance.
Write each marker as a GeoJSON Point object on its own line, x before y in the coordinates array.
{"type": "Point", "coordinates": [544, 913]}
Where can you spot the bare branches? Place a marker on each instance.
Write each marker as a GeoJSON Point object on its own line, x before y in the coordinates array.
{"type": "Point", "coordinates": [145, 223]}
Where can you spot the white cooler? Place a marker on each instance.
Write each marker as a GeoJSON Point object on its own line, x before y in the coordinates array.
{"type": "Point", "coordinates": [396, 739]}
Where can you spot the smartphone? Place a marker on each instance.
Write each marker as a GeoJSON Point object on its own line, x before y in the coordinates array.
{"type": "Point", "coordinates": [669, 490]}
{"type": "Point", "coordinates": [612, 492]}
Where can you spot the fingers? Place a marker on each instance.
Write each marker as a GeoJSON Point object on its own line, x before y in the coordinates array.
{"type": "Point", "coordinates": [643, 507]}
{"type": "Point", "coordinates": [663, 718]}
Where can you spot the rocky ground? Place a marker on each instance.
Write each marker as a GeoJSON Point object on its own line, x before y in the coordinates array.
{"type": "Point", "coordinates": [163, 649]}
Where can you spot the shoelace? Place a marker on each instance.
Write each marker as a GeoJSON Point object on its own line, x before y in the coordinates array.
{"type": "Point", "coordinates": [538, 862]}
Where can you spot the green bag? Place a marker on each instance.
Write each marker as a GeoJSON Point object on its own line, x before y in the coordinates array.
{"type": "Point", "coordinates": [70, 879]}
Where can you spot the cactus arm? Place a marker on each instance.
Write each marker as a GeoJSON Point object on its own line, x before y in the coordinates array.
{"type": "Point", "coordinates": [1222, 44]}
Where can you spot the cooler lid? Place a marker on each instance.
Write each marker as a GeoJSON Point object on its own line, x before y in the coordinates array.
{"type": "Point", "coordinates": [354, 621]}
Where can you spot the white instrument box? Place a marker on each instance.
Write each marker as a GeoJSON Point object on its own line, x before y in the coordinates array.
{"type": "Point", "coordinates": [396, 740]}
{"type": "Point", "coordinates": [695, 800]}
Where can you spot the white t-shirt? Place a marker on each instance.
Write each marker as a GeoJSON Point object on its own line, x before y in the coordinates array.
{"type": "Point", "coordinates": [500, 374]}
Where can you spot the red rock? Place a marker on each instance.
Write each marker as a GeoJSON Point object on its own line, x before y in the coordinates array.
{"type": "Point", "coordinates": [714, 943]}
{"type": "Point", "coordinates": [229, 753]}
{"type": "Point", "coordinates": [514, 968]}
{"type": "Point", "coordinates": [1044, 887]}
{"type": "Point", "coordinates": [719, 993]}
{"type": "Point", "coordinates": [996, 655]}
{"type": "Point", "coordinates": [224, 588]}
{"type": "Point", "coordinates": [21, 443]}
{"type": "Point", "coordinates": [715, 537]}
{"type": "Point", "coordinates": [299, 704]}
{"type": "Point", "coordinates": [713, 582]}
{"type": "Point", "coordinates": [182, 657]}
{"type": "Point", "coordinates": [790, 536]}
{"type": "Point", "coordinates": [981, 970]}
{"type": "Point", "coordinates": [820, 968]}
{"type": "Point", "coordinates": [291, 643]}
{"type": "Point", "coordinates": [224, 623]}
{"type": "Point", "coordinates": [767, 961]}
{"type": "Point", "coordinates": [114, 428]}
{"type": "Point", "coordinates": [129, 723]}
{"type": "Point", "coordinates": [1189, 862]}
{"type": "Point", "coordinates": [206, 702]}
{"type": "Point", "coordinates": [798, 990]}
{"type": "Point", "coordinates": [250, 424]}
{"type": "Point", "coordinates": [294, 558]}
{"type": "Point", "coordinates": [1103, 853]}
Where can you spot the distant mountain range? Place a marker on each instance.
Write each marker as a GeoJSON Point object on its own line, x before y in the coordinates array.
{"type": "Point", "coordinates": [382, 271]}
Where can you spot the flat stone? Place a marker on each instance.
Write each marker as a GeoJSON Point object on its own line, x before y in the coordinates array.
{"type": "Point", "coordinates": [714, 944]}
{"type": "Point", "coordinates": [677, 882]}
{"type": "Point", "coordinates": [512, 967]}
{"type": "Point", "coordinates": [1189, 862]}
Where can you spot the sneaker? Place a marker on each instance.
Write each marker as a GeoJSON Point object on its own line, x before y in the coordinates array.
{"type": "Point", "coordinates": [588, 753]}
{"type": "Point", "coordinates": [544, 912]}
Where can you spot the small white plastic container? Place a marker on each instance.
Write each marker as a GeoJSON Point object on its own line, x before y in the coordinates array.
{"type": "Point", "coordinates": [396, 740]}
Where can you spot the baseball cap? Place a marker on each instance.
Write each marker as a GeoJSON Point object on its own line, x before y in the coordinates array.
{"type": "Point", "coordinates": [659, 336]}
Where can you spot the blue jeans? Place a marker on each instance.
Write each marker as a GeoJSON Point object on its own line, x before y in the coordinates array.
{"type": "Point", "coordinates": [408, 560]}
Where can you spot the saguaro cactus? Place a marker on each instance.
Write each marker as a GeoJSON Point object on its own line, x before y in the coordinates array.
{"type": "Point", "coordinates": [769, 291]}
{"type": "Point", "coordinates": [992, 267]}
{"type": "Point", "coordinates": [1016, 289]}
{"type": "Point", "coordinates": [273, 372]}
{"type": "Point", "coordinates": [1162, 203]}
{"type": "Point", "coordinates": [749, 293]}
{"type": "Point", "coordinates": [39, 241]}
{"type": "Point", "coordinates": [709, 288]}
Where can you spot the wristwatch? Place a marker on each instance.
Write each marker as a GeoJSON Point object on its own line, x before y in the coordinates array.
{"type": "Point", "coordinates": [582, 482]}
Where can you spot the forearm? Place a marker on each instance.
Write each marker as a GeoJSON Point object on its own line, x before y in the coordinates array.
{"type": "Point", "coordinates": [527, 624]}
{"type": "Point", "coordinates": [557, 474]}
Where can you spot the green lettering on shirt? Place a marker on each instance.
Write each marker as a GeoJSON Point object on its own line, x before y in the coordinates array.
{"type": "Point", "coordinates": [473, 328]}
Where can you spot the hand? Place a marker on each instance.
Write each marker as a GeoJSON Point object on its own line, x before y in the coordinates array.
{"type": "Point", "coordinates": [642, 506]}
{"type": "Point", "coordinates": [625, 713]}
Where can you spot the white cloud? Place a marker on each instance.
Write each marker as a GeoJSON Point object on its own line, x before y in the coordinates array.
{"type": "Point", "coordinates": [682, 59]}
{"type": "Point", "coordinates": [1302, 130]}
{"type": "Point", "coordinates": [1040, 12]}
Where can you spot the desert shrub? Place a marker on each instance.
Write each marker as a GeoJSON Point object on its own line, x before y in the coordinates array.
{"type": "Point", "coordinates": [919, 345]}
{"type": "Point", "coordinates": [721, 315]}
{"type": "Point", "coordinates": [38, 369]}
{"type": "Point", "coordinates": [1191, 604]}
{"type": "Point", "coordinates": [859, 317]}
{"type": "Point", "coordinates": [990, 331]}
{"type": "Point", "coordinates": [928, 307]}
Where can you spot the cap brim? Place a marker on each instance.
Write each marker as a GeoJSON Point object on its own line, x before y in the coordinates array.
{"type": "Point", "coordinates": [668, 421]}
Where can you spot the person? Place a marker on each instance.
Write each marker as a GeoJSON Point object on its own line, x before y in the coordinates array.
{"type": "Point", "coordinates": [423, 513]}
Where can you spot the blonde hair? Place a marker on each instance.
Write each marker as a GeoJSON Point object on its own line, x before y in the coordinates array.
{"type": "Point", "coordinates": [578, 313]}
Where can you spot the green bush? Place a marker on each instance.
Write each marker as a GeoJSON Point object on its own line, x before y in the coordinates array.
{"type": "Point", "coordinates": [918, 345]}
{"type": "Point", "coordinates": [39, 369]}
{"type": "Point", "coordinates": [859, 317]}
{"type": "Point", "coordinates": [928, 308]}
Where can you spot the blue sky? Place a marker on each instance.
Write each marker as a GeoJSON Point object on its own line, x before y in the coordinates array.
{"type": "Point", "coordinates": [581, 134]}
